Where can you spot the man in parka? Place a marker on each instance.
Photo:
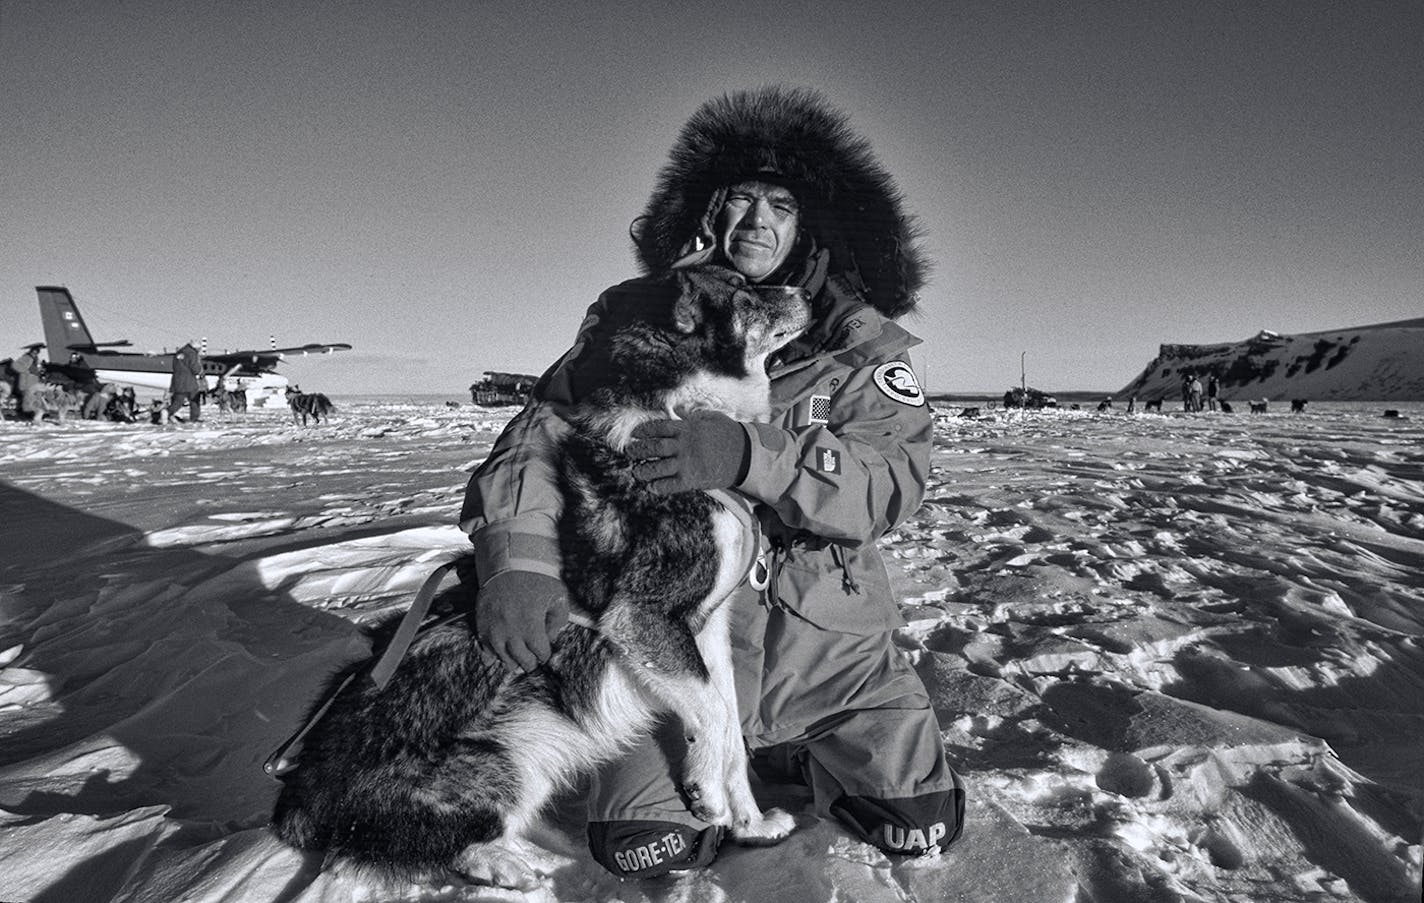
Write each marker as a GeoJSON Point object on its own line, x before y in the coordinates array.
{"type": "Point", "coordinates": [29, 383]}
{"type": "Point", "coordinates": [775, 184]}
{"type": "Point", "coordinates": [186, 385]}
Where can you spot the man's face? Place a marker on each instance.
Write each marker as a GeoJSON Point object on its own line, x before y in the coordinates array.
{"type": "Point", "coordinates": [756, 228]}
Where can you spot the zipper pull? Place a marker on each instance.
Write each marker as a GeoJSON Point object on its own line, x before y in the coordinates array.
{"type": "Point", "coordinates": [848, 584]}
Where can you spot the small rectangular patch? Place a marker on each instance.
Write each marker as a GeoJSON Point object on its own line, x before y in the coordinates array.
{"type": "Point", "coordinates": [819, 409]}
{"type": "Point", "coordinates": [828, 460]}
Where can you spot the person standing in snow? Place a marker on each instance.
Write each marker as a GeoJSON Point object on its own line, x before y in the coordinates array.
{"type": "Point", "coordinates": [774, 184]}
{"type": "Point", "coordinates": [186, 386]}
{"type": "Point", "coordinates": [29, 383]}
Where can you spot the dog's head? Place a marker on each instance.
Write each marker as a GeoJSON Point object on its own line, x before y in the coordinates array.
{"type": "Point", "coordinates": [744, 322]}
{"type": "Point", "coordinates": [708, 350]}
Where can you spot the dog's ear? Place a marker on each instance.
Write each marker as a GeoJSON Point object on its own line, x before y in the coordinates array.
{"type": "Point", "coordinates": [699, 286]}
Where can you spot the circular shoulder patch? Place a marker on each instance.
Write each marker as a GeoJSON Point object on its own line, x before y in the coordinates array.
{"type": "Point", "coordinates": [897, 380]}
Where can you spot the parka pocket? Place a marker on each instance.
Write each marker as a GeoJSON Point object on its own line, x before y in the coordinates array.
{"type": "Point", "coordinates": [838, 588]}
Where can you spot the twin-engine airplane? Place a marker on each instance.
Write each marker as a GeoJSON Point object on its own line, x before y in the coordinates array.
{"type": "Point", "coordinates": [73, 352]}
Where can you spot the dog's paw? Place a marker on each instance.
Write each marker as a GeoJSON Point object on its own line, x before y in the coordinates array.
{"type": "Point", "coordinates": [763, 829]}
{"type": "Point", "coordinates": [497, 865]}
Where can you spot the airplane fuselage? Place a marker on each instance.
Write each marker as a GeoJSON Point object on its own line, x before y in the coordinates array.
{"type": "Point", "coordinates": [250, 371]}
{"type": "Point", "coordinates": [153, 372]}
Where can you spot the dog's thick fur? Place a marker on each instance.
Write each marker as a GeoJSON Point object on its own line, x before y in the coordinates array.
{"type": "Point", "coordinates": [446, 767]}
{"type": "Point", "coordinates": [47, 400]}
{"type": "Point", "coordinates": [308, 404]}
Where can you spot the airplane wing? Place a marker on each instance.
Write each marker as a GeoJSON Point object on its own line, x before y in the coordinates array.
{"type": "Point", "coordinates": [267, 358]}
{"type": "Point", "coordinates": [97, 347]}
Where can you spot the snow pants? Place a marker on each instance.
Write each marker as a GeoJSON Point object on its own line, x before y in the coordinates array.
{"type": "Point", "coordinates": [844, 714]}
{"type": "Point", "coordinates": [195, 411]}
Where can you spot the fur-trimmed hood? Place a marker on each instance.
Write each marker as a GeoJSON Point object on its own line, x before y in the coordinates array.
{"type": "Point", "coordinates": [848, 201]}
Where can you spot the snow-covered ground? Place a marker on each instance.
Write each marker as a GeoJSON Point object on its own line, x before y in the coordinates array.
{"type": "Point", "coordinates": [1176, 657]}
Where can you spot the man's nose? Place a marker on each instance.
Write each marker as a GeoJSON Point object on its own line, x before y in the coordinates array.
{"type": "Point", "coordinates": [760, 212]}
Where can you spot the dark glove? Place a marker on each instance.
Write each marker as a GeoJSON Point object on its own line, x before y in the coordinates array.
{"type": "Point", "coordinates": [706, 451]}
{"type": "Point", "coordinates": [518, 613]}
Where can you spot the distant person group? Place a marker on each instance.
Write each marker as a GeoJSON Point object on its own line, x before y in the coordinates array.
{"type": "Point", "coordinates": [1192, 392]}
{"type": "Point", "coordinates": [1196, 396]}
{"type": "Point", "coordinates": [77, 391]}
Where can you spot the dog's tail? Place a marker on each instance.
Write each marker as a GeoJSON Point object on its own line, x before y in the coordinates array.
{"type": "Point", "coordinates": [402, 807]}
{"type": "Point", "coordinates": [401, 823]}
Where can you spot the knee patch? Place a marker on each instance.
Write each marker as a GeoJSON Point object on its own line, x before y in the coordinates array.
{"type": "Point", "coordinates": [908, 825]}
{"type": "Point", "coordinates": [647, 849]}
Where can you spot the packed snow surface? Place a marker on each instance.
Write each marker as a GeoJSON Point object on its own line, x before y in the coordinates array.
{"type": "Point", "coordinates": [1176, 657]}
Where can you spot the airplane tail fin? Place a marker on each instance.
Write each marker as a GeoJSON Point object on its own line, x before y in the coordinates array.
{"type": "Point", "coordinates": [63, 326]}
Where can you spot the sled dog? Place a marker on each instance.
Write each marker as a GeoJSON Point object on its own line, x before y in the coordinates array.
{"type": "Point", "coordinates": [452, 762]}
{"type": "Point", "coordinates": [303, 404]}
{"type": "Point", "coordinates": [49, 400]}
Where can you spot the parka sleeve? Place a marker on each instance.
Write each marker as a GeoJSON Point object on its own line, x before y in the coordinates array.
{"type": "Point", "coordinates": [512, 501]}
{"type": "Point", "coordinates": [853, 478]}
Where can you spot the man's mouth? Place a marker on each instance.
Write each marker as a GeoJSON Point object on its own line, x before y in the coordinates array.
{"type": "Point", "coordinates": [751, 241]}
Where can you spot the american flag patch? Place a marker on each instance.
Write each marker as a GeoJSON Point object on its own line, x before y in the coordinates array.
{"type": "Point", "coordinates": [819, 410]}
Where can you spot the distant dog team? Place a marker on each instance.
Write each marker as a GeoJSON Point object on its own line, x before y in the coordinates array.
{"type": "Point", "coordinates": [445, 768]}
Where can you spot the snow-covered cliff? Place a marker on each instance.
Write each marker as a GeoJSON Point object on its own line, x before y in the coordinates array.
{"type": "Point", "coordinates": [1384, 362]}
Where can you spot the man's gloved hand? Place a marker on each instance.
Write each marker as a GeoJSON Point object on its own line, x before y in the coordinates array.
{"type": "Point", "coordinates": [517, 614]}
{"type": "Point", "coordinates": [706, 451]}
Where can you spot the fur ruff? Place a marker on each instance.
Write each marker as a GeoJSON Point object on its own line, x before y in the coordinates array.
{"type": "Point", "coordinates": [849, 202]}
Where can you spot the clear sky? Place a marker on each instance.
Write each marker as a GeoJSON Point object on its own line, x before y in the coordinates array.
{"type": "Point", "coordinates": [447, 185]}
